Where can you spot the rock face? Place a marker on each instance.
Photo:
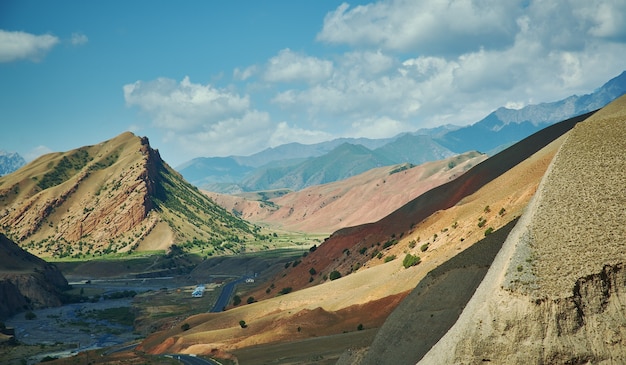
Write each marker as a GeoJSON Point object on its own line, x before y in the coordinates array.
{"type": "Point", "coordinates": [9, 162]}
{"type": "Point", "coordinates": [26, 281]}
{"type": "Point", "coordinates": [555, 293]}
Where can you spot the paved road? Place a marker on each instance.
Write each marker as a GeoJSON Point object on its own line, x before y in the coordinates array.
{"type": "Point", "coordinates": [227, 291]}
{"type": "Point", "coordinates": [193, 360]}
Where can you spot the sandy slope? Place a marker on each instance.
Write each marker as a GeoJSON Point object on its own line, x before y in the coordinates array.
{"type": "Point", "coordinates": [554, 293]}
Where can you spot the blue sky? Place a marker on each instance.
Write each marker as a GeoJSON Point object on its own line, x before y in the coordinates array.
{"type": "Point", "coordinates": [218, 78]}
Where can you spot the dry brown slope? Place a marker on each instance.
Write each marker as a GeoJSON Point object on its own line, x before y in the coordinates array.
{"type": "Point", "coordinates": [554, 293]}
{"type": "Point", "coordinates": [360, 199]}
{"type": "Point", "coordinates": [370, 293]}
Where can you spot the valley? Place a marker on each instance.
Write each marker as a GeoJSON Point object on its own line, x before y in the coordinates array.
{"type": "Point", "coordinates": [387, 266]}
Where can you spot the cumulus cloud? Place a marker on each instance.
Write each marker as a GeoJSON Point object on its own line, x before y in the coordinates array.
{"type": "Point", "coordinates": [433, 62]}
{"type": "Point", "coordinates": [289, 66]}
{"type": "Point", "coordinates": [78, 39]}
{"type": "Point", "coordinates": [283, 133]}
{"type": "Point", "coordinates": [429, 26]}
{"type": "Point", "coordinates": [184, 106]}
{"type": "Point", "coordinates": [21, 45]}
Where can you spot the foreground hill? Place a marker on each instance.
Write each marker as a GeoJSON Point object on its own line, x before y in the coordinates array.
{"type": "Point", "coordinates": [307, 300]}
{"type": "Point", "coordinates": [364, 198]}
{"type": "Point", "coordinates": [555, 292]}
{"type": "Point", "coordinates": [26, 281]}
{"type": "Point", "coordinates": [117, 196]}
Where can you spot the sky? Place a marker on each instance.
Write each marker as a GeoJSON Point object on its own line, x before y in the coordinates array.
{"type": "Point", "coordinates": [220, 78]}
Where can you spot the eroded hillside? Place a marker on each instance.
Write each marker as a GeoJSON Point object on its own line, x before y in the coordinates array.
{"type": "Point", "coordinates": [117, 196]}
{"type": "Point", "coordinates": [555, 292]}
{"type": "Point", "coordinates": [361, 199]}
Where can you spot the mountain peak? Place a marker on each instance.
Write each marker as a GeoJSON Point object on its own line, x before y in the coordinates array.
{"type": "Point", "coordinates": [116, 196]}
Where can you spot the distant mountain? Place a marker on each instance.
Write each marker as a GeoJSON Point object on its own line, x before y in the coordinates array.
{"type": "Point", "coordinates": [495, 132]}
{"type": "Point", "coordinates": [415, 149]}
{"type": "Point", "coordinates": [117, 196]}
{"type": "Point", "coordinates": [344, 161]}
{"type": "Point", "coordinates": [26, 281]}
{"type": "Point", "coordinates": [504, 126]}
{"type": "Point", "coordinates": [10, 162]}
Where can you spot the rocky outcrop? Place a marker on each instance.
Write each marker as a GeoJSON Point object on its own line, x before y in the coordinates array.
{"type": "Point", "coordinates": [26, 281]}
{"type": "Point", "coordinates": [555, 294]}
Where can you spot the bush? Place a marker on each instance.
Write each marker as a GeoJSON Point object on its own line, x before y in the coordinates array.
{"type": "Point", "coordinates": [359, 327]}
{"type": "Point", "coordinates": [250, 300]}
{"type": "Point", "coordinates": [243, 324]}
{"type": "Point", "coordinates": [312, 271]}
{"type": "Point", "coordinates": [236, 300]}
{"type": "Point", "coordinates": [30, 315]}
{"type": "Point", "coordinates": [286, 290]}
{"type": "Point", "coordinates": [390, 258]}
{"type": "Point", "coordinates": [410, 260]}
{"type": "Point", "coordinates": [185, 326]}
{"type": "Point", "coordinates": [424, 247]}
{"type": "Point", "coordinates": [334, 275]}
{"type": "Point", "coordinates": [488, 231]}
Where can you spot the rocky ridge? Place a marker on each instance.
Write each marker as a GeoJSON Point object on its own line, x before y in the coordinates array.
{"type": "Point", "coordinates": [117, 196]}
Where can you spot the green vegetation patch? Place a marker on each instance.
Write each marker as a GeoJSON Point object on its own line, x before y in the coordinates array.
{"type": "Point", "coordinates": [65, 169]}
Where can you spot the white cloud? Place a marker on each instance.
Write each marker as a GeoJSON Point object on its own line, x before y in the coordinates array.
{"type": "Point", "coordinates": [286, 134]}
{"type": "Point", "coordinates": [20, 45]}
{"type": "Point", "coordinates": [244, 74]}
{"type": "Point", "coordinates": [429, 26]}
{"type": "Point", "coordinates": [37, 152]}
{"type": "Point", "coordinates": [378, 127]}
{"type": "Point", "coordinates": [289, 66]}
{"type": "Point", "coordinates": [184, 106]}
{"type": "Point", "coordinates": [79, 39]}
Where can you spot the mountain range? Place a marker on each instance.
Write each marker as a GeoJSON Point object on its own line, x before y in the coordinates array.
{"type": "Point", "coordinates": [307, 165]}
{"type": "Point", "coordinates": [10, 161]}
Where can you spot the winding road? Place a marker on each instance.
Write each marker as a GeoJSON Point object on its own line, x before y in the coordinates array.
{"type": "Point", "coordinates": [227, 291]}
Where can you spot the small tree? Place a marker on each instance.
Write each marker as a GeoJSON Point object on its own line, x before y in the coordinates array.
{"type": "Point", "coordinates": [312, 271]}
{"type": "Point", "coordinates": [334, 275]}
{"type": "Point", "coordinates": [236, 300]}
{"type": "Point", "coordinates": [250, 300]}
{"type": "Point", "coordinates": [243, 324]}
{"type": "Point", "coordinates": [185, 326]}
{"type": "Point", "coordinates": [410, 260]}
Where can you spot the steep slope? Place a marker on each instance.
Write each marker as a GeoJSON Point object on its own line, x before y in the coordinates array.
{"type": "Point", "coordinates": [360, 199]}
{"type": "Point", "coordinates": [26, 281]}
{"type": "Point", "coordinates": [555, 293]}
{"type": "Point", "coordinates": [374, 280]}
{"type": "Point", "coordinates": [331, 256]}
{"type": "Point", "coordinates": [116, 196]}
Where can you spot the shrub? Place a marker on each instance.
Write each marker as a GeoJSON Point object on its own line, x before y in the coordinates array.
{"type": "Point", "coordinates": [359, 327]}
{"type": "Point", "coordinates": [410, 260]}
{"type": "Point", "coordinates": [390, 258]}
{"type": "Point", "coordinates": [488, 231]}
{"type": "Point", "coordinates": [424, 247]}
{"type": "Point", "coordinates": [334, 275]}
{"type": "Point", "coordinates": [312, 271]}
{"type": "Point", "coordinates": [30, 315]}
{"type": "Point", "coordinates": [250, 300]}
{"type": "Point", "coordinates": [185, 326]}
{"type": "Point", "coordinates": [243, 324]}
{"type": "Point", "coordinates": [285, 290]}
{"type": "Point", "coordinates": [502, 211]}
{"type": "Point", "coordinates": [236, 300]}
